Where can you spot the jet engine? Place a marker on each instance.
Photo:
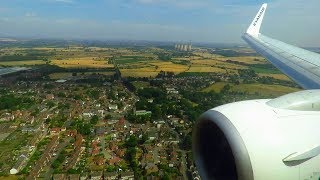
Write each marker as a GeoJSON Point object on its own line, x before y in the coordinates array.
{"type": "Point", "coordinates": [260, 139]}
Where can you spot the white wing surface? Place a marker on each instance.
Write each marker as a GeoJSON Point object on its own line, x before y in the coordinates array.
{"type": "Point", "coordinates": [300, 65]}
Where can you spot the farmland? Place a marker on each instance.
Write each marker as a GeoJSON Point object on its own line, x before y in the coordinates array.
{"type": "Point", "coordinates": [83, 62]}
{"type": "Point", "coordinates": [139, 62]}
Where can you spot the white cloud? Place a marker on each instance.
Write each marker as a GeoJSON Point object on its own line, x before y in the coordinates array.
{"type": "Point", "coordinates": [30, 14]}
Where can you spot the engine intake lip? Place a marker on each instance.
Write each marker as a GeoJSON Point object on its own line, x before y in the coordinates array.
{"type": "Point", "coordinates": [202, 135]}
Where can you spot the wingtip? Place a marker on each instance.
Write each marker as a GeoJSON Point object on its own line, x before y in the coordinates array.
{"type": "Point", "coordinates": [254, 28]}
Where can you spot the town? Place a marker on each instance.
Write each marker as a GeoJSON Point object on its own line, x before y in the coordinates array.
{"type": "Point", "coordinates": [75, 130]}
{"type": "Point", "coordinates": [106, 118]}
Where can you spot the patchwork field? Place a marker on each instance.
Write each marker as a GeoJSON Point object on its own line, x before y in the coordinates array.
{"type": "Point", "coordinates": [140, 62]}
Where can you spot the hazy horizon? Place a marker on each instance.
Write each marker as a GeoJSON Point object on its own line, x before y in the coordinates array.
{"type": "Point", "coordinates": [201, 21]}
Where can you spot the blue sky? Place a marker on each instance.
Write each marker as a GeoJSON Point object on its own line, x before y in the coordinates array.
{"type": "Point", "coordinates": [294, 21]}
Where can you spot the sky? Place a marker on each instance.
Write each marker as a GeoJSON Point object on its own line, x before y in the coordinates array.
{"type": "Point", "coordinates": [220, 21]}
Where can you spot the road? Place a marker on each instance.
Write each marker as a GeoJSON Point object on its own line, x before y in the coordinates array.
{"type": "Point", "coordinates": [183, 153]}
{"type": "Point", "coordinates": [60, 147]}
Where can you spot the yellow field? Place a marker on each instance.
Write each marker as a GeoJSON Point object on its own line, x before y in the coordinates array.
{"type": "Point", "coordinates": [218, 63]}
{"type": "Point", "coordinates": [10, 177]}
{"type": "Point", "coordinates": [170, 67]}
{"type": "Point", "coordinates": [84, 62]}
{"type": "Point", "coordinates": [276, 76]}
{"type": "Point", "coordinates": [139, 72]}
{"type": "Point", "coordinates": [22, 63]}
{"type": "Point", "coordinates": [263, 89]}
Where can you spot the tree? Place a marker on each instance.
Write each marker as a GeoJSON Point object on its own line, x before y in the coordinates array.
{"type": "Point", "coordinates": [226, 88]}
{"type": "Point", "coordinates": [94, 120]}
{"type": "Point", "coordinates": [156, 112]}
{"type": "Point", "coordinates": [187, 142]}
{"type": "Point", "coordinates": [84, 129]}
{"type": "Point", "coordinates": [108, 116]}
{"type": "Point", "coordinates": [144, 138]}
{"type": "Point", "coordinates": [132, 141]}
{"type": "Point", "coordinates": [50, 104]}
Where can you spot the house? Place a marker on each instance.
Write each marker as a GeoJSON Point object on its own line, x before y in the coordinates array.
{"type": "Point", "coordinates": [120, 152]}
{"type": "Point", "coordinates": [95, 148]}
{"type": "Point", "coordinates": [110, 176]}
{"type": "Point", "coordinates": [113, 146]}
{"type": "Point", "coordinates": [143, 113]}
{"type": "Point", "coordinates": [172, 91]}
{"type": "Point", "coordinates": [114, 160]}
{"type": "Point", "coordinates": [19, 164]}
{"type": "Point", "coordinates": [29, 130]}
{"type": "Point", "coordinates": [71, 133]}
{"type": "Point", "coordinates": [151, 168]}
{"type": "Point", "coordinates": [127, 175]}
{"type": "Point", "coordinates": [99, 160]}
{"type": "Point", "coordinates": [61, 81]}
{"type": "Point", "coordinates": [152, 134]}
{"type": "Point", "coordinates": [88, 115]}
{"type": "Point", "coordinates": [55, 131]}
{"type": "Point", "coordinates": [113, 107]}
{"type": "Point", "coordinates": [121, 122]}
{"type": "Point", "coordinates": [49, 96]}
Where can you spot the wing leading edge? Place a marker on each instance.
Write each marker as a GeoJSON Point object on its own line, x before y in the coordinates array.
{"type": "Point", "coordinates": [301, 65]}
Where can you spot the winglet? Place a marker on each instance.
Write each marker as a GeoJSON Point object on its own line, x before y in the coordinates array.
{"type": "Point", "coordinates": [254, 28]}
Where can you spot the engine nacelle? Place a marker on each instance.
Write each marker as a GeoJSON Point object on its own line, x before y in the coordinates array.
{"type": "Point", "coordinates": [260, 139]}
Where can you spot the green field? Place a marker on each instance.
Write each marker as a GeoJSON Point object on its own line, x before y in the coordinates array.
{"type": "Point", "coordinates": [263, 89]}
{"type": "Point", "coordinates": [131, 59]}
{"type": "Point", "coordinates": [141, 84]}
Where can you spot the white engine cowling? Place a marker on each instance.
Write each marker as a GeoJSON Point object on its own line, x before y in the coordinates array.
{"type": "Point", "coordinates": [260, 139]}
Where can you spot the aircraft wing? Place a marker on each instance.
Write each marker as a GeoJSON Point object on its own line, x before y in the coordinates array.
{"type": "Point", "coordinates": [301, 65]}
